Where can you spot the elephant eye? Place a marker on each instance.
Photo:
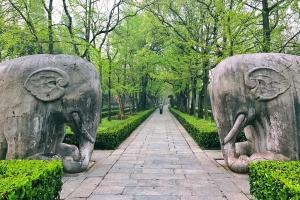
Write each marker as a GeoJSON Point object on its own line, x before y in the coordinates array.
{"type": "Point", "coordinates": [261, 82]}
{"type": "Point", "coordinates": [51, 83]}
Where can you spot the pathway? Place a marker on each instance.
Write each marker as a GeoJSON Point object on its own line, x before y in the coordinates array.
{"type": "Point", "coordinates": [159, 161]}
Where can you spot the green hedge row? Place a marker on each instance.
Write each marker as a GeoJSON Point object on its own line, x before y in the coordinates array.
{"type": "Point", "coordinates": [30, 179]}
{"type": "Point", "coordinates": [105, 109]}
{"type": "Point", "coordinates": [113, 112]}
{"type": "Point", "coordinates": [203, 131]}
{"type": "Point", "coordinates": [275, 180]}
{"type": "Point", "coordinates": [112, 133]}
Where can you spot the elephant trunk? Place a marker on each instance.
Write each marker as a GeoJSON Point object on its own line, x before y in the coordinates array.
{"type": "Point", "coordinates": [86, 136]}
{"type": "Point", "coordinates": [239, 165]}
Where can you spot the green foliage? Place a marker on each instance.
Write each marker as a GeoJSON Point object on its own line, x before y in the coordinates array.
{"type": "Point", "coordinates": [113, 112]}
{"type": "Point", "coordinates": [203, 131]}
{"type": "Point", "coordinates": [275, 180]}
{"type": "Point", "coordinates": [112, 133]}
{"type": "Point", "coordinates": [30, 179]}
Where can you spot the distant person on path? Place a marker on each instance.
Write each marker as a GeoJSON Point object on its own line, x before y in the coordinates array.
{"type": "Point", "coordinates": [161, 108]}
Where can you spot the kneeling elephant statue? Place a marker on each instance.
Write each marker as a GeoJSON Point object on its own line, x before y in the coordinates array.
{"type": "Point", "coordinates": [260, 95]}
{"type": "Point", "coordinates": [38, 95]}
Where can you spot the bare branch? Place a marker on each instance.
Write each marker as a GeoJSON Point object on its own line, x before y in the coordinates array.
{"type": "Point", "coordinates": [289, 41]}
{"type": "Point", "coordinates": [28, 22]}
{"type": "Point", "coordinates": [276, 4]}
{"type": "Point", "coordinates": [70, 27]}
{"type": "Point", "coordinates": [254, 7]}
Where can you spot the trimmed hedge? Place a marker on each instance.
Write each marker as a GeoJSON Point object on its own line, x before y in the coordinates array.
{"type": "Point", "coordinates": [114, 112]}
{"type": "Point", "coordinates": [105, 109]}
{"type": "Point", "coordinates": [112, 133]}
{"type": "Point", "coordinates": [30, 179]}
{"type": "Point", "coordinates": [275, 180]}
{"type": "Point", "coordinates": [204, 132]}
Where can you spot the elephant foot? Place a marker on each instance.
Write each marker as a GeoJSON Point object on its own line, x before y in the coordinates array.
{"type": "Point", "coordinates": [72, 160]}
{"type": "Point", "coordinates": [267, 155]}
{"type": "Point", "coordinates": [67, 150]}
{"type": "Point", "coordinates": [71, 165]}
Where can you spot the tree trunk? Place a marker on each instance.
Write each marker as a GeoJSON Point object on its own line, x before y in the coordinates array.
{"type": "Point", "coordinates": [229, 24]}
{"type": "Point", "coordinates": [136, 100]}
{"type": "Point", "coordinates": [132, 97]}
{"type": "Point", "coordinates": [200, 103]}
{"type": "Point", "coordinates": [203, 95]}
{"type": "Point", "coordinates": [186, 99]}
{"type": "Point", "coordinates": [109, 91]}
{"type": "Point", "coordinates": [193, 98]}
{"type": "Point", "coordinates": [70, 28]}
{"type": "Point", "coordinates": [143, 93]}
{"type": "Point", "coordinates": [266, 26]}
{"type": "Point", "coordinates": [49, 10]}
{"type": "Point", "coordinates": [50, 27]}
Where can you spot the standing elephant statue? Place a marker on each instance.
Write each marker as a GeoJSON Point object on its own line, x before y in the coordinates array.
{"type": "Point", "coordinates": [260, 94]}
{"type": "Point", "coordinates": [38, 95]}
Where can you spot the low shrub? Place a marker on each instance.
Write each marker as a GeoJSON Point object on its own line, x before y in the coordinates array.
{"type": "Point", "coordinates": [114, 112]}
{"type": "Point", "coordinates": [105, 109]}
{"type": "Point", "coordinates": [30, 179]}
{"type": "Point", "coordinates": [275, 180]}
{"type": "Point", "coordinates": [112, 133]}
{"type": "Point", "coordinates": [203, 131]}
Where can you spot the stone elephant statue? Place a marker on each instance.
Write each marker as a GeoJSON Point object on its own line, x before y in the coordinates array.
{"type": "Point", "coordinates": [38, 95]}
{"type": "Point", "coordinates": [260, 94]}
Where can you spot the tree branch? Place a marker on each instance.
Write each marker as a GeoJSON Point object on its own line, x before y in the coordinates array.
{"type": "Point", "coordinates": [276, 4]}
{"type": "Point", "coordinates": [288, 41]}
{"type": "Point", "coordinates": [254, 7]}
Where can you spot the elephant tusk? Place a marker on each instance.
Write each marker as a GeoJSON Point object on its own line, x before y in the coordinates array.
{"type": "Point", "coordinates": [235, 129]}
{"type": "Point", "coordinates": [88, 136]}
{"type": "Point", "coordinates": [76, 120]}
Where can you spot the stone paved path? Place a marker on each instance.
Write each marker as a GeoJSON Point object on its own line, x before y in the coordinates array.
{"type": "Point", "coordinates": [159, 161]}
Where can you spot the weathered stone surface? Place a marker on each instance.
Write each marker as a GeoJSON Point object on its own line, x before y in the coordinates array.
{"type": "Point", "coordinates": [38, 95]}
{"type": "Point", "coordinates": [259, 93]}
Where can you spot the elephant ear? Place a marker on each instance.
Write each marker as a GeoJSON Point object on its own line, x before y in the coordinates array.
{"type": "Point", "coordinates": [266, 83]}
{"type": "Point", "coordinates": [47, 84]}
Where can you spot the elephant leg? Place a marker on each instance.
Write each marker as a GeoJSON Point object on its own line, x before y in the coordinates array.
{"type": "Point", "coordinates": [63, 149]}
{"type": "Point", "coordinates": [243, 148]}
{"type": "Point", "coordinates": [12, 136]}
{"type": "Point", "coordinates": [3, 148]}
{"type": "Point", "coordinates": [67, 150]}
{"type": "Point", "coordinates": [21, 142]}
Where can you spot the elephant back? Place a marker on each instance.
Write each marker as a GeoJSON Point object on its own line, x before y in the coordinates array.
{"type": "Point", "coordinates": [283, 63]}
{"type": "Point", "coordinates": [22, 78]}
